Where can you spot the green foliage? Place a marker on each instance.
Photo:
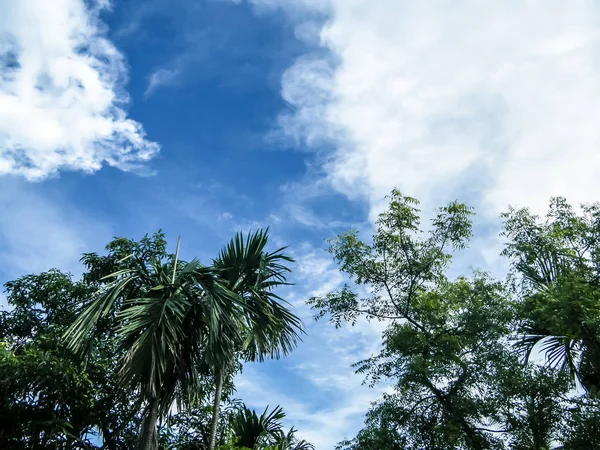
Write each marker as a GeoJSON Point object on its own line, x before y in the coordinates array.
{"type": "Point", "coordinates": [144, 331]}
{"type": "Point", "coordinates": [190, 429]}
{"type": "Point", "coordinates": [263, 325]}
{"type": "Point", "coordinates": [557, 258]}
{"type": "Point", "coordinates": [447, 351]}
{"type": "Point", "coordinates": [50, 398]}
{"type": "Point", "coordinates": [267, 328]}
{"type": "Point", "coordinates": [529, 404]}
{"type": "Point", "coordinates": [46, 401]}
{"type": "Point", "coordinates": [583, 426]}
{"type": "Point", "coordinates": [444, 364]}
{"type": "Point", "coordinates": [248, 430]}
{"type": "Point", "coordinates": [244, 430]}
{"type": "Point", "coordinates": [401, 261]}
{"type": "Point", "coordinates": [175, 318]}
{"type": "Point", "coordinates": [160, 309]}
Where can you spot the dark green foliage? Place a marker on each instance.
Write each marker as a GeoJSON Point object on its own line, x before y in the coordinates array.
{"type": "Point", "coordinates": [177, 322]}
{"type": "Point", "coordinates": [46, 401]}
{"type": "Point", "coordinates": [152, 342]}
{"type": "Point", "coordinates": [248, 430]}
{"type": "Point", "coordinates": [98, 363]}
{"type": "Point", "coordinates": [267, 328]}
{"type": "Point", "coordinates": [51, 398]}
{"type": "Point", "coordinates": [262, 324]}
{"type": "Point", "coordinates": [583, 430]}
{"type": "Point", "coordinates": [557, 258]}
{"type": "Point", "coordinates": [190, 429]}
{"type": "Point", "coordinates": [243, 429]}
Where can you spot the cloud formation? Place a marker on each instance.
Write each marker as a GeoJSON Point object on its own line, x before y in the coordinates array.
{"type": "Point", "coordinates": [161, 77]}
{"type": "Point", "coordinates": [493, 103]}
{"type": "Point", "coordinates": [62, 92]}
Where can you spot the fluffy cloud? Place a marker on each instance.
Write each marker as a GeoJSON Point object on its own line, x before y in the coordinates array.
{"type": "Point", "coordinates": [495, 103]}
{"type": "Point", "coordinates": [61, 92]}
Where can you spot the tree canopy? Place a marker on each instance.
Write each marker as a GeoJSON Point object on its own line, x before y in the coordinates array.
{"type": "Point", "coordinates": [84, 362]}
{"type": "Point", "coordinates": [142, 350]}
{"type": "Point", "coordinates": [456, 352]}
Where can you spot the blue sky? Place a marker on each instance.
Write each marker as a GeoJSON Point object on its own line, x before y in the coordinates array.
{"type": "Point", "coordinates": [208, 117]}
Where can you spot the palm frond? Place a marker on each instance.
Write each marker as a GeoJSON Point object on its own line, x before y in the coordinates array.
{"type": "Point", "coordinates": [79, 333]}
{"type": "Point", "coordinates": [249, 429]}
{"type": "Point", "coordinates": [246, 268]}
{"type": "Point", "coordinates": [561, 352]}
{"type": "Point", "coordinates": [288, 441]}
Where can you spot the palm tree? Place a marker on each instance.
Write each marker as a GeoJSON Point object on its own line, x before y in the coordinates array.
{"type": "Point", "coordinates": [561, 316]}
{"type": "Point", "coordinates": [165, 314]}
{"type": "Point", "coordinates": [249, 430]}
{"type": "Point", "coordinates": [557, 260]}
{"type": "Point", "coordinates": [288, 441]}
{"type": "Point", "coordinates": [265, 327]}
{"type": "Point", "coordinates": [175, 318]}
{"type": "Point", "coordinates": [264, 432]}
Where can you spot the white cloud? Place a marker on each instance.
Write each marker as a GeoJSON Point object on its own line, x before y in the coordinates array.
{"type": "Point", "coordinates": [62, 92]}
{"type": "Point", "coordinates": [496, 101]}
{"type": "Point", "coordinates": [161, 77]}
{"type": "Point", "coordinates": [489, 102]}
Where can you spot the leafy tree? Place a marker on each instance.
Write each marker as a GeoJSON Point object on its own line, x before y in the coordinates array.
{"type": "Point", "coordinates": [152, 332]}
{"type": "Point", "coordinates": [50, 400]}
{"type": "Point", "coordinates": [43, 397]}
{"type": "Point", "coordinates": [176, 322]}
{"type": "Point", "coordinates": [583, 426]}
{"type": "Point", "coordinates": [40, 305]}
{"type": "Point", "coordinates": [531, 405]}
{"type": "Point", "coordinates": [429, 344]}
{"type": "Point", "coordinates": [190, 429]}
{"type": "Point", "coordinates": [557, 258]}
{"type": "Point", "coordinates": [162, 309]}
{"type": "Point", "coordinates": [242, 429]}
{"type": "Point", "coordinates": [445, 368]}
{"type": "Point", "coordinates": [138, 352]}
{"type": "Point", "coordinates": [446, 349]}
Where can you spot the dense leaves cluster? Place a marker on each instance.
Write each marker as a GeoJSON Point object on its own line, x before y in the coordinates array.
{"type": "Point", "coordinates": [51, 398]}
{"type": "Point", "coordinates": [457, 352]}
{"type": "Point", "coordinates": [141, 351]}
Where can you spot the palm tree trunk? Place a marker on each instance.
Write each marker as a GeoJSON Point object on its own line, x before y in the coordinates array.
{"type": "Point", "coordinates": [216, 406]}
{"type": "Point", "coordinates": [148, 436]}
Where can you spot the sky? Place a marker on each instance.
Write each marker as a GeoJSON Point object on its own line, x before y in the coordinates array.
{"type": "Point", "coordinates": [204, 118]}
